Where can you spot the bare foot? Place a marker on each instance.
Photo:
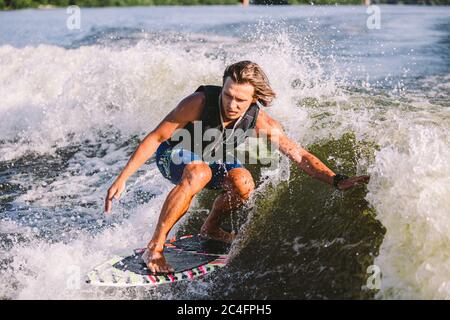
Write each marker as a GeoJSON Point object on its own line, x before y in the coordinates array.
{"type": "Point", "coordinates": [217, 234]}
{"type": "Point", "coordinates": [156, 262]}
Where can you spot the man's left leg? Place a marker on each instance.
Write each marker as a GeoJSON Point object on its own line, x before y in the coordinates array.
{"type": "Point", "coordinates": [237, 186]}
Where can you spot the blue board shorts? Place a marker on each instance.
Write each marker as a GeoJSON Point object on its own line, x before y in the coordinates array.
{"type": "Point", "coordinates": [171, 163]}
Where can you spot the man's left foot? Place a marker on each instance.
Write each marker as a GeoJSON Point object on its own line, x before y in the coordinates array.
{"type": "Point", "coordinates": [217, 234]}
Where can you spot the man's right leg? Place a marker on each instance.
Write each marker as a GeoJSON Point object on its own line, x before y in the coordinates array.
{"type": "Point", "coordinates": [195, 177]}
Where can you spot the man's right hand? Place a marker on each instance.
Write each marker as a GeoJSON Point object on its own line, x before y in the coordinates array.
{"type": "Point", "coordinates": [114, 192]}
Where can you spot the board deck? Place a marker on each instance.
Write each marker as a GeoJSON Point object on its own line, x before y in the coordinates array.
{"type": "Point", "coordinates": [191, 256]}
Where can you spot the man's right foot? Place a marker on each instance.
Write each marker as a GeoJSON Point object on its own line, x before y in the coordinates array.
{"type": "Point", "coordinates": [217, 234]}
{"type": "Point", "coordinates": [156, 262]}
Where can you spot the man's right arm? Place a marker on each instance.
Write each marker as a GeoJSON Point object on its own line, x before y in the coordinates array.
{"type": "Point", "coordinates": [188, 110]}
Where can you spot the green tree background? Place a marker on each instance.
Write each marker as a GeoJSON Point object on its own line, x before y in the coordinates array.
{"type": "Point", "coordinates": [19, 4]}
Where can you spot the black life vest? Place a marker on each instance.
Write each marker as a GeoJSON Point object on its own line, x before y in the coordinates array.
{"type": "Point", "coordinates": [210, 119]}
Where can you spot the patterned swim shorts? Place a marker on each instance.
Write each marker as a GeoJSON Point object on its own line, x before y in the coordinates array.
{"type": "Point", "coordinates": [171, 163]}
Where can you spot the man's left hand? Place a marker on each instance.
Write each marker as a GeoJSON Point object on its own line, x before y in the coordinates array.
{"type": "Point", "coordinates": [352, 182]}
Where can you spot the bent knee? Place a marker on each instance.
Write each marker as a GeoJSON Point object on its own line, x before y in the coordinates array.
{"type": "Point", "coordinates": [241, 182]}
{"type": "Point", "coordinates": [196, 175]}
{"type": "Point", "coordinates": [246, 190]}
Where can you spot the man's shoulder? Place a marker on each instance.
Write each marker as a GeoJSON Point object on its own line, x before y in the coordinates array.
{"type": "Point", "coordinates": [198, 98]}
{"type": "Point", "coordinates": [264, 121]}
{"type": "Point", "coordinates": [209, 87]}
{"type": "Point", "coordinates": [268, 126]}
{"type": "Point", "coordinates": [190, 108]}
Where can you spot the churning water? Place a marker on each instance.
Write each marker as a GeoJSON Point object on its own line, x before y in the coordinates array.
{"type": "Point", "coordinates": [75, 104]}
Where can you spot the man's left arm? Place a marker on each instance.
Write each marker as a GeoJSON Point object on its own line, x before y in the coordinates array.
{"type": "Point", "coordinates": [309, 163]}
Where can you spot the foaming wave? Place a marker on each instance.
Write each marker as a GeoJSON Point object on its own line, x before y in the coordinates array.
{"type": "Point", "coordinates": [102, 101]}
{"type": "Point", "coordinates": [410, 179]}
{"type": "Point", "coordinates": [42, 269]}
{"type": "Point", "coordinates": [409, 189]}
{"type": "Point", "coordinates": [55, 96]}
{"type": "Point", "coordinates": [86, 109]}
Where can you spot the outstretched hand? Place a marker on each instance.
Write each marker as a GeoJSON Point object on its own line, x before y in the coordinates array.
{"type": "Point", "coordinates": [352, 182]}
{"type": "Point", "coordinates": [114, 192]}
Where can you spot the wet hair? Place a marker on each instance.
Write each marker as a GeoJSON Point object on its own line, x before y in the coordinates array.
{"type": "Point", "coordinates": [249, 72]}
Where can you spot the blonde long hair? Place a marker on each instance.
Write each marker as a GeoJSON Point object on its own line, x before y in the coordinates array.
{"type": "Point", "coordinates": [250, 72]}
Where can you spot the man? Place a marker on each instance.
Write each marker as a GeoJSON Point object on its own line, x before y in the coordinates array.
{"type": "Point", "coordinates": [236, 105]}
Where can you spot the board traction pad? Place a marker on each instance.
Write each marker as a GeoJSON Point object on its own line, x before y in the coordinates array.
{"type": "Point", "coordinates": [191, 256]}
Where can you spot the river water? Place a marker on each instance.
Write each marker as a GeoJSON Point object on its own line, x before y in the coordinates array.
{"type": "Point", "coordinates": [76, 102]}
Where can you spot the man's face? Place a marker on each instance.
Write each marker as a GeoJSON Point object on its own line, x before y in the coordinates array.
{"type": "Point", "coordinates": [236, 98]}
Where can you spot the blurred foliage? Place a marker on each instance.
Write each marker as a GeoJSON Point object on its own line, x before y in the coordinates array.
{"type": "Point", "coordinates": [18, 4]}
